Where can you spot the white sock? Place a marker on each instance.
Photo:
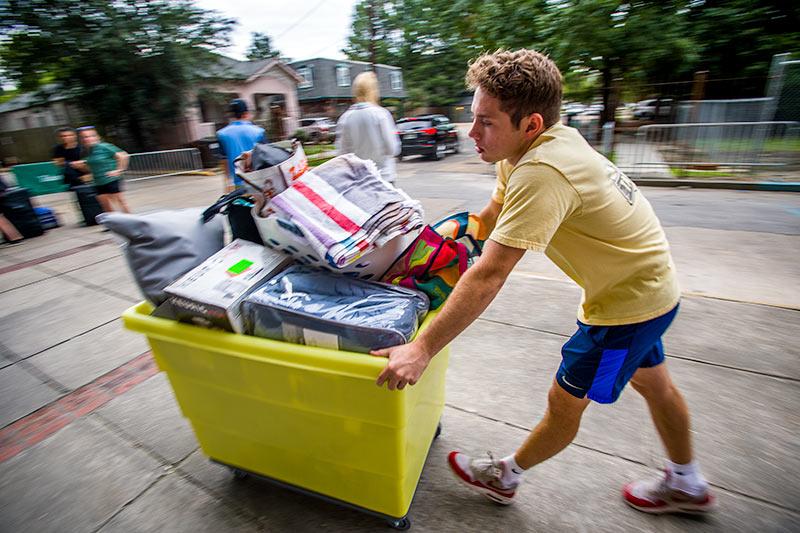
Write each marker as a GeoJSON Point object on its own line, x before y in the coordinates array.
{"type": "Point", "coordinates": [687, 478]}
{"type": "Point", "coordinates": [512, 472]}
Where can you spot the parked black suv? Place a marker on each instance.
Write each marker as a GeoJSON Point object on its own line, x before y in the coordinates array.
{"type": "Point", "coordinates": [428, 135]}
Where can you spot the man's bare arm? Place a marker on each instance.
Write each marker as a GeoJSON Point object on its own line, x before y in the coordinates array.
{"type": "Point", "coordinates": [489, 215]}
{"type": "Point", "coordinates": [472, 295]}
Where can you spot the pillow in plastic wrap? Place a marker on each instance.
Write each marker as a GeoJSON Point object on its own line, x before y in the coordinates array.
{"type": "Point", "coordinates": [160, 247]}
{"type": "Point", "coordinates": [307, 306]}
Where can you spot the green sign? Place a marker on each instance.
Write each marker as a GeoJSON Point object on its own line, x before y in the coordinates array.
{"type": "Point", "coordinates": [40, 178]}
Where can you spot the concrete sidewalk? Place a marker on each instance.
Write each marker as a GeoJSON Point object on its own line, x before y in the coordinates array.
{"type": "Point", "coordinates": [92, 439]}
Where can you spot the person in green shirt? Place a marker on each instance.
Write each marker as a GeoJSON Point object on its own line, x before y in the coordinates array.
{"type": "Point", "coordinates": [106, 163]}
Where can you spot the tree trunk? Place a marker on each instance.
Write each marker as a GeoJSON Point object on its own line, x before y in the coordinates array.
{"type": "Point", "coordinates": [607, 115]}
{"type": "Point", "coordinates": [135, 131]}
{"type": "Point", "coordinates": [371, 16]}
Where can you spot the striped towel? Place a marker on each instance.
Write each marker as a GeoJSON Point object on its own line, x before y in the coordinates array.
{"type": "Point", "coordinates": [346, 209]}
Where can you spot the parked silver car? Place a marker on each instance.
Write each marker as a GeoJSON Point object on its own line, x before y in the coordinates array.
{"type": "Point", "coordinates": [318, 129]}
{"type": "Point", "coordinates": [647, 109]}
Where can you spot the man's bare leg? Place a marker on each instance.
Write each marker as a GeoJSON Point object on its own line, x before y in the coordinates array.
{"type": "Point", "coordinates": [555, 431]}
{"type": "Point", "coordinates": [497, 480]}
{"type": "Point", "coordinates": [683, 488]}
{"type": "Point", "coordinates": [668, 410]}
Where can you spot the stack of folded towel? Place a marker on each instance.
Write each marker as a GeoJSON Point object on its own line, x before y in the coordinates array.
{"type": "Point", "coordinates": [346, 209]}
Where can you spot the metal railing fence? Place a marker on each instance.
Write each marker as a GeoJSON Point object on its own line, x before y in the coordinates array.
{"type": "Point", "coordinates": [148, 165]}
{"type": "Point", "coordinates": [717, 146]}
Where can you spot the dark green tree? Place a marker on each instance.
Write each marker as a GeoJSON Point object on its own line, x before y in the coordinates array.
{"type": "Point", "coordinates": [736, 40]}
{"type": "Point", "coordinates": [261, 47]}
{"type": "Point", "coordinates": [130, 63]}
{"type": "Point", "coordinates": [625, 42]}
{"type": "Point", "coordinates": [376, 32]}
{"type": "Point", "coordinates": [604, 47]}
{"type": "Point", "coordinates": [433, 40]}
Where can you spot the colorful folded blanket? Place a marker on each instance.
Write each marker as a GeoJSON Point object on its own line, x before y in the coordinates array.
{"type": "Point", "coordinates": [346, 209]}
{"type": "Point", "coordinates": [436, 260]}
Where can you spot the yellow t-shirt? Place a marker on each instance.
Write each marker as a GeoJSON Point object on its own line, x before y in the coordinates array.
{"type": "Point", "coordinates": [591, 220]}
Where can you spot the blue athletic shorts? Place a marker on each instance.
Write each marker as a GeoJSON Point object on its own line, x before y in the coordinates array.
{"type": "Point", "coordinates": [598, 361]}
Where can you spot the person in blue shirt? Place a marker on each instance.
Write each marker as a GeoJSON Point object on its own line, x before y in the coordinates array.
{"type": "Point", "coordinates": [241, 135]}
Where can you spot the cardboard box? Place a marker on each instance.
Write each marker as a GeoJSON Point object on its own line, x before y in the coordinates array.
{"type": "Point", "coordinates": [210, 295]}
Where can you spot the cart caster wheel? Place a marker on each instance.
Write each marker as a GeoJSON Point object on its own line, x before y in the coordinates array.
{"type": "Point", "coordinates": [400, 524]}
{"type": "Point", "coordinates": [239, 474]}
{"type": "Point", "coordinates": [438, 431]}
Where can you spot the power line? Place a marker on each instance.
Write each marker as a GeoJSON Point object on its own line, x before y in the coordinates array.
{"type": "Point", "coordinates": [301, 19]}
{"type": "Point", "coordinates": [337, 41]}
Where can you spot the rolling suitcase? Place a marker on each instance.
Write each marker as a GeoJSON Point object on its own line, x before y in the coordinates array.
{"type": "Point", "coordinates": [87, 201]}
{"type": "Point", "coordinates": [17, 208]}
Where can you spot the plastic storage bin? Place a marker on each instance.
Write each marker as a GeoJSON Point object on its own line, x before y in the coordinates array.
{"type": "Point", "coordinates": [308, 417]}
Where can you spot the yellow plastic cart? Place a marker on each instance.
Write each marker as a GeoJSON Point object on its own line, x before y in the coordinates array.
{"type": "Point", "coordinates": [307, 418]}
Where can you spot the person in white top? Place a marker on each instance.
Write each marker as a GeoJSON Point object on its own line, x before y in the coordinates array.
{"type": "Point", "coordinates": [367, 129]}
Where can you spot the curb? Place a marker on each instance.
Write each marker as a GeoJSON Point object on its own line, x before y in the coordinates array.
{"type": "Point", "coordinates": [321, 155]}
{"type": "Point", "coordinates": [776, 186]}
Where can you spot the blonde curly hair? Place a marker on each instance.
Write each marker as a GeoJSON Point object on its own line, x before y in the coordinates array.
{"type": "Point", "coordinates": [525, 82]}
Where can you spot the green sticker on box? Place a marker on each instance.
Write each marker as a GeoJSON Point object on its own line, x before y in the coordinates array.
{"type": "Point", "coordinates": [240, 267]}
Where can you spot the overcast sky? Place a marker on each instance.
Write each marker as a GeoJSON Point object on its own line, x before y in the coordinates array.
{"type": "Point", "coordinates": [300, 29]}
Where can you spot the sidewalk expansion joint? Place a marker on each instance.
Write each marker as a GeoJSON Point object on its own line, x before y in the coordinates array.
{"type": "Point", "coordinates": [167, 468]}
{"type": "Point", "coordinates": [694, 294]}
{"type": "Point", "coordinates": [51, 257]}
{"type": "Point", "coordinates": [43, 377]}
{"type": "Point", "coordinates": [670, 355]}
{"type": "Point", "coordinates": [110, 292]}
{"type": "Point", "coordinates": [130, 439]}
{"type": "Point", "coordinates": [684, 294]}
{"type": "Point", "coordinates": [739, 493]}
{"type": "Point", "coordinates": [244, 512]}
{"type": "Point", "coordinates": [528, 328]}
{"type": "Point", "coordinates": [130, 502]}
{"type": "Point", "coordinates": [55, 273]}
{"type": "Point", "coordinates": [37, 426]}
{"type": "Point", "coordinates": [34, 354]}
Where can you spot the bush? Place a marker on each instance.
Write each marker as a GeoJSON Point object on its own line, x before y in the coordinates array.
{"type": "Point", "coordinates": [301, 135]}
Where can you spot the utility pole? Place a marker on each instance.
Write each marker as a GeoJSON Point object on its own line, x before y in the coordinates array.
{"type": "Point", "coordinates": [698, 93]}
{"type": "Point", "coordinates": [371, 17]}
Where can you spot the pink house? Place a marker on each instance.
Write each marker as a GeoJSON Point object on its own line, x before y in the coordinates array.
{"type": "Point", "coordinates": [269, 86]}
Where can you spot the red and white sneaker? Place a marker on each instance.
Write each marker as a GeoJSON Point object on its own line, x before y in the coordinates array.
{"type": "Point", "coordinates": [657, 497]}
{"type": "Point", "coordinates": [483, 476]}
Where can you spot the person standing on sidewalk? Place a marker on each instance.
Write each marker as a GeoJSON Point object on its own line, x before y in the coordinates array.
{"type": "Point", "coordinates": [106, 163]}
{"type": "Point", "coordinates": [9, 231]}
{"type": "Point", "coordinates": [367, 129]}
{"type": "Point", "coordinates": [239, 136]}
{"type": "Point", "coordinates": [557, 195]}
{"type": "Point", "coordinates": [66, 155]}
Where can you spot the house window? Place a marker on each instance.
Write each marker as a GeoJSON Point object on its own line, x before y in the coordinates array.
{"type": "Point", "coordinates": [396, 80]}
{"type": "Point", "coordinates": [308, 78]}
{"type": "Point", "coordinates": [343, 76]}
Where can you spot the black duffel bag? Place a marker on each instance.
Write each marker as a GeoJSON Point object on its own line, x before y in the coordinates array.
{"type": "Point", "coordinates": [237, 206]}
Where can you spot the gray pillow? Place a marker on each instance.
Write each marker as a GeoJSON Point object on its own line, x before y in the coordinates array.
{"type": "Point", "coordinates": [161, 247]}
